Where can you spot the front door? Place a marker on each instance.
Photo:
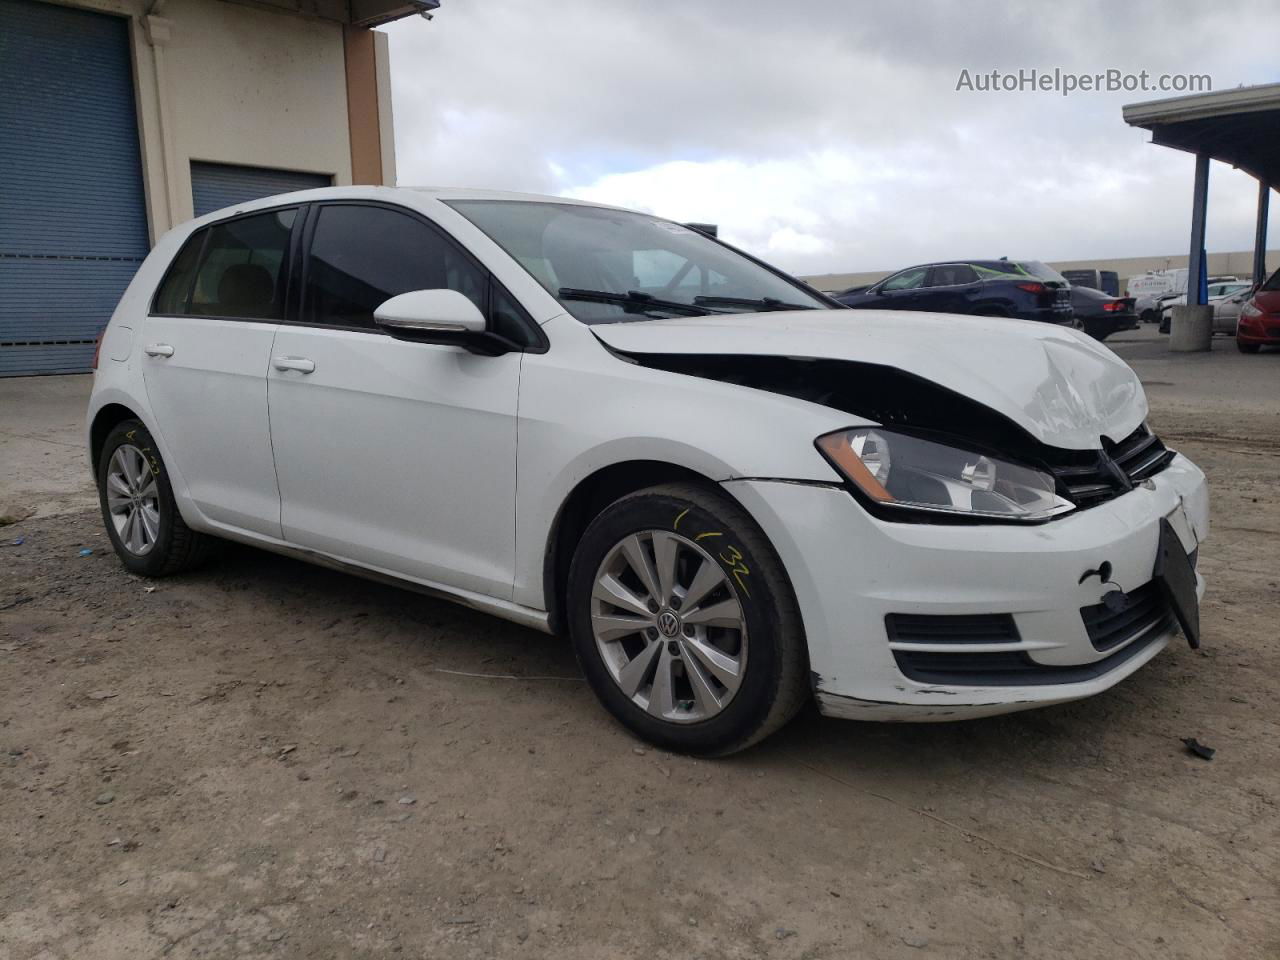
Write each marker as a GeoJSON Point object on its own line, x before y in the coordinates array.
{"type": "Point", "coordinates": [902, 290]}
{"type": "Point", "coordinates": [206, 347]}
{"type": "Point", "coordinates": [399, 456]}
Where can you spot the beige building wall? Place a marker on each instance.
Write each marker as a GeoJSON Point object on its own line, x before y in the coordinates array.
{"type": "Point", "coordinates": [241, 85]}
{"type": "Point", "coordinates": [232, 82]}
{"type": "Point", "coordinates": [1238, 263]}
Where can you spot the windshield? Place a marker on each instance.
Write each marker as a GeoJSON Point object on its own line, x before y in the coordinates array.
{"type": "Point", "coordinates": [585, 256]}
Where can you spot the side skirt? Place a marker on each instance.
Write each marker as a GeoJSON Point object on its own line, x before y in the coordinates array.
{"type": "Point", "coordinates": [516, 613]}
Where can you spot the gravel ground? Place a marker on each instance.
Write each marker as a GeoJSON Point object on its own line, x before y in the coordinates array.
{"type": "Point", "coordinates": [267, 759]}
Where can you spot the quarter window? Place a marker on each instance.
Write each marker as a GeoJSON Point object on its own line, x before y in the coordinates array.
{"type": "Point", "coordinates": [362, 256]}
{"type": "Point", "coordinates": [507, 319]}
{"type": "Point", "coordinates": [172, 295]}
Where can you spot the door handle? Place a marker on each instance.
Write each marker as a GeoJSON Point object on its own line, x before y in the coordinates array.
{"type": "Point", "coordinates": [158, 350]}
{"type": "Point", "coordinates": [301, 364]}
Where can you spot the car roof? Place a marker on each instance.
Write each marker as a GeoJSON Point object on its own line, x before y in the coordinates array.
{"type": "Point", "coordinates": [969, 262]}
{"type": "Point", "coordinates": [411, 196]}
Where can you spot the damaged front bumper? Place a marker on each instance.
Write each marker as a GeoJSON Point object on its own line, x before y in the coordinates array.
{"type": "Point", "coordinates": [918, 621]}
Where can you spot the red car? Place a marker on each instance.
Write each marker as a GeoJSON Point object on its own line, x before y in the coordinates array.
{"type": "Point", "coordinates": [1260, 318]}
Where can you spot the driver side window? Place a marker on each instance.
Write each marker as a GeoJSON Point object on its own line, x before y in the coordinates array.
{"type": "Point", "coordinates": [906, 280]}
{"type": "Point", "coordinates": [362, 256]}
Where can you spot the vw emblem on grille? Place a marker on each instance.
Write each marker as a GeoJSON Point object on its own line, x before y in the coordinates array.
{"type": "Point", "coordinates": [668, 623]}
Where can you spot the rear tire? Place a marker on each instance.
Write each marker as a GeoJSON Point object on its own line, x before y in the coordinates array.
{"type": "Point", "coordinates": [1248, 347]}
{"type": "Point", "coordinates": [142, 519]}
{"type": "Point", "coordinates": [671, 671]}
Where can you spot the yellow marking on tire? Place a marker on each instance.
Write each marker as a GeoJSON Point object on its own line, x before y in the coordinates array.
{"type": "Point", "coordinates": [737, 567]}
{"type": "Point", "coordinates": [708, 534]}
{"type": "Point", "coordinates": [679, 517]}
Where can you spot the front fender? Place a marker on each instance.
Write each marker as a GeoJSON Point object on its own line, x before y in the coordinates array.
{"type": "Point", "coordinates": [582, 409]}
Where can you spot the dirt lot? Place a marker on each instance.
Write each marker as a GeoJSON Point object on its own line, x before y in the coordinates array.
{"type": "Point", "coordinates": [266, 759]}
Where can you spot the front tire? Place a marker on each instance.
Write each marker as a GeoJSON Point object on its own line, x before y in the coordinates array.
{"type": "Point", "coordinates": [138, 509]}
{"type": "Point", "coordinates": [1248, 347]}
{"type": "Point", "coordinates": [685, 622]}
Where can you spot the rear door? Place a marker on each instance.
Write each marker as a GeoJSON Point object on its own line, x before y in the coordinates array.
{"type": "Point", "coordinates": [206, 348]}
{"type": "Point", "coordinates": [399, 456]}
{"type": "Point", "coordinates": [949, 288]}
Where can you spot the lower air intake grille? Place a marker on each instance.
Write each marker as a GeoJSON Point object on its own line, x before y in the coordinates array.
{"type": "Point", "coordinates": [1011, 669]}
{"type": "Point", "coordinates": [1145, 610]}
{"type": "Point", "coordinates": [930, 628]}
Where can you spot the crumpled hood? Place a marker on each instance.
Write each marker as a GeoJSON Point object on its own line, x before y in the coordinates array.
{"type": "Point", "coordinates": [1061, 387]}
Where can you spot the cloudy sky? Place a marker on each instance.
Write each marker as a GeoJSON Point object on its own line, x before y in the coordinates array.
{"type": "Point", "coordinates": [827, 136]}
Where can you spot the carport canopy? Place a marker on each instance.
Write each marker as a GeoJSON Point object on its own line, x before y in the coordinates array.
{"type": "Point", "coordinates": [1240, 127]}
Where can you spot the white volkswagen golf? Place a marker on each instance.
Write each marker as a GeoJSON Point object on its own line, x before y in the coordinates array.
{"type": "Point", "coordinates": [730, 494]}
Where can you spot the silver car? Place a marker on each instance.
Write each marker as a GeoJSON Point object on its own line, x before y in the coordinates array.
{"type": "Point", "coordinates": [1226, 309]}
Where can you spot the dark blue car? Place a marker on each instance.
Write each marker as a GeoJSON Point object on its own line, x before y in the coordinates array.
{"type": "Point", "coordinates": [1026, 289]}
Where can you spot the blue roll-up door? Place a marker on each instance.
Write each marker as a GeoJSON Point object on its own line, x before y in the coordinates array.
{"type": "Point", "coordinates": [218, 185]}
{"type": "Point", "coordinates": [73, 223]}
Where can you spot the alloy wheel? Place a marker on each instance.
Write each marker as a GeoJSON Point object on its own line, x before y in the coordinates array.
{"type": "Point", "coordinates": [133, 500]}
{"type": "Point", "coordinates": [669, 626]}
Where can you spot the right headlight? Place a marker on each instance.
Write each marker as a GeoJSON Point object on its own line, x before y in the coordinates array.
{"type": "Point", "coordinates": [902, 472]}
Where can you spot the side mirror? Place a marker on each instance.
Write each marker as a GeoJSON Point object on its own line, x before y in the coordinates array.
{"type": "Point", "coordinates": [439, 316]}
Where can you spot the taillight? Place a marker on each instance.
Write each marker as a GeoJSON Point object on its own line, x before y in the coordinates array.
{"type": "Point", "coordinates": [97, 349]}
{"type": "Point", "coordinates": [1114, 306]}
{"type": "Point", "coordinates": [1032, 287]}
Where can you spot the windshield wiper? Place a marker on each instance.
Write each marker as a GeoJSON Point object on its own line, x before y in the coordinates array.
{"type": "Point", "coordinates": [760, 303]}
{"type": "Point", "coordinates": [633, 301]}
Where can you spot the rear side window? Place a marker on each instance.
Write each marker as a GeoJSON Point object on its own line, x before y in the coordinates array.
{"type": "Point", "coordinates": [172, 295]}
{"type": "Point", "coordinates": [363, 256]}
{"type": "Point", "coordinates": [952, 274]}
{"type": "Point", "coordinates": [241, 272]}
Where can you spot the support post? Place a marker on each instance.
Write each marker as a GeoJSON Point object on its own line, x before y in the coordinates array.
{"type": "Point", "coordinates": [1260, 234]}
{"type": "Point", "coordinates": [1199, 206]}
{"type": "Point", "coordinates": [1191, 329]}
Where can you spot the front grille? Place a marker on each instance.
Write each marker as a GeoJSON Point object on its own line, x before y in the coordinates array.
{"type": "Point", "coordinates": [1009, 669]}
{"type": "Point", "coordinates": [1145, 610]}
{"type": "Point", "coordinates": [964, 628]}
{"type": "Point", "coordinates": [1090, 478]}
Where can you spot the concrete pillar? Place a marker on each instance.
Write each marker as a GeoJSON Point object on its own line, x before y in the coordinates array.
{"type": "Point", "coordinates": [1191, 329]}
{"type": "Point", "coordinates": [1199, 206]}
{"type": "Point", "coordinates": [1260, 234]}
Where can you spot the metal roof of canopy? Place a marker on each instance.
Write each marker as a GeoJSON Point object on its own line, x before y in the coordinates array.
{"type": "Point", "coordinates": [1240, 126]}
{"type": "Point", "coordinates": [356, 13]}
